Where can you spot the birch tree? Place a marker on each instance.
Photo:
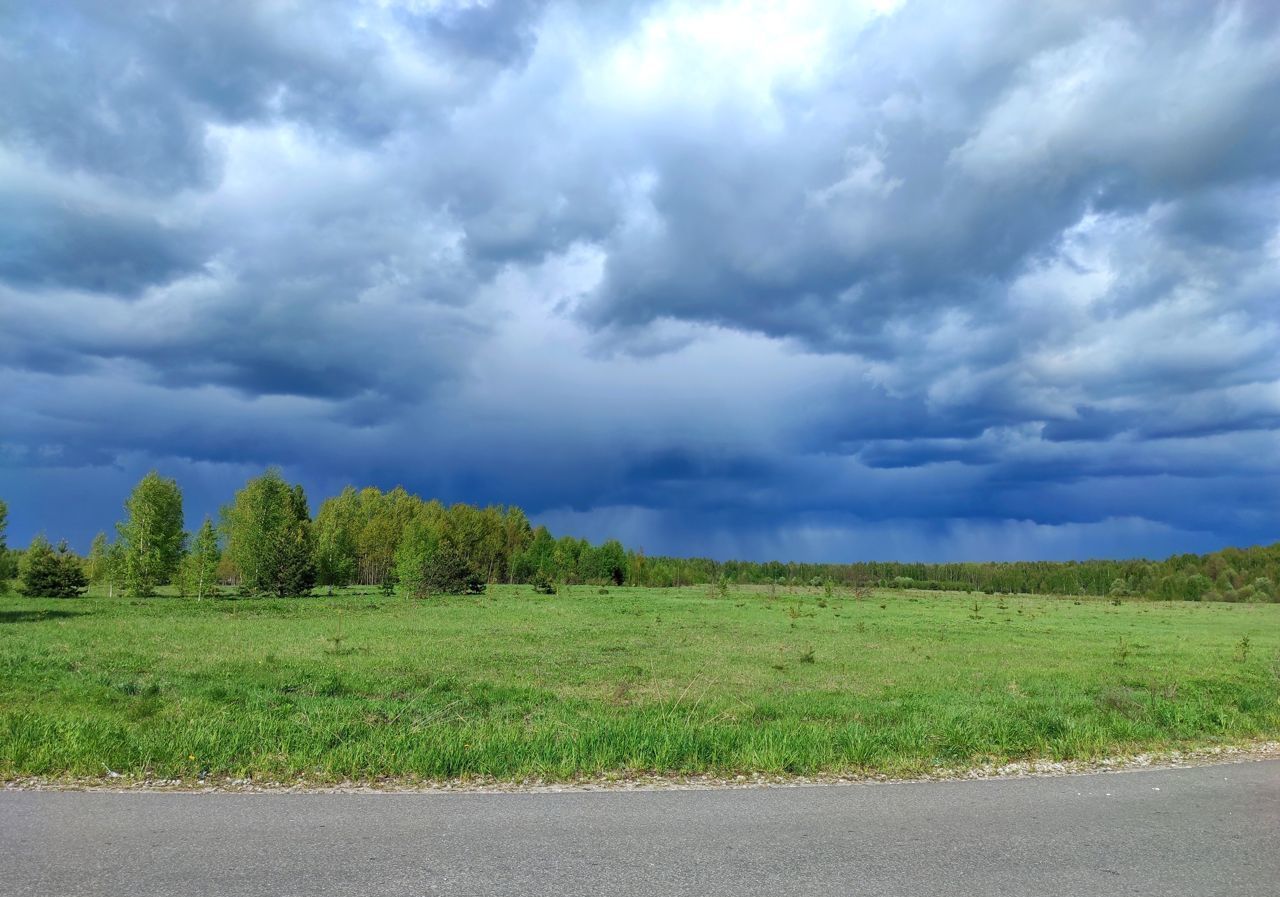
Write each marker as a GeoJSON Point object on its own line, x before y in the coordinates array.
{"type": "Point", "coordinates": [151, 535]}
{"type": "Point", "coordinates": [269, 538]}
{"type": "Point", "coordinates": [199, 571]}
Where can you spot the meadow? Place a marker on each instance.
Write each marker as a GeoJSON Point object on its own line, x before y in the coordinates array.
{"type": "Point", "coordinates": [593, 682]}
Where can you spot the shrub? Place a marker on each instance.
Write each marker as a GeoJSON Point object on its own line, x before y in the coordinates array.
{"type": "Point", "coordinates": [49, 574]}
{"type": "Point", "coordinates": [446, 571]}
{"type": "Point", "coordinates": [389, 583]}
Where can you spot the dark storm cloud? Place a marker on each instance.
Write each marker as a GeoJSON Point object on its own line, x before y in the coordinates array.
{"type": "Point", "coordinates": [127, 90]}
{"type": "Point", "coordinates": [928, 179]}
{"type": "Point", "coordinates": [502, 31]}
{"type": "Point", "coordinates": [44, 244]}
{"type": "Point", "coordinates": [746, 278]}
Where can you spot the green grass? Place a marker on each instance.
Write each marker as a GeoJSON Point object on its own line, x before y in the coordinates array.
{"type": "Point", "coordinates": [511, 684]}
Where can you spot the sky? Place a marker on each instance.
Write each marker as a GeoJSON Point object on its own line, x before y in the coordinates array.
{"type": "Point", "coordinates": [805, 280]}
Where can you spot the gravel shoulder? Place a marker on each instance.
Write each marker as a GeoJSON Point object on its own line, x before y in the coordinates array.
{"type": "Point", "coordinates": [115, 783]}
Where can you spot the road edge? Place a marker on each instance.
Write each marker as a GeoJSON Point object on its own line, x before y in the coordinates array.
{"type": "Point", "coordinates": [1021, 769]}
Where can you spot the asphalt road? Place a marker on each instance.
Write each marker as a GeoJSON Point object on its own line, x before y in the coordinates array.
{"type": "Point", "coordinates": [1204, 831]}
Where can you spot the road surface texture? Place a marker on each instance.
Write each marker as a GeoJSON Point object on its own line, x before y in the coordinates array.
{"type": "Point", "coordinates": [1200, 831]}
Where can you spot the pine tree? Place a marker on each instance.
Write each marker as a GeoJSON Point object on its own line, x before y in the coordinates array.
{"type": "Point", "coordinates": [449, 572]}
{"type": "Point", "coordinates": [71, 579]}
{"type": "Point", "coordinates": [38, 571]}
{"type": "Point", "coordinates": [297, 570]}
{"type": "Point", "coordinates": [49, 574]}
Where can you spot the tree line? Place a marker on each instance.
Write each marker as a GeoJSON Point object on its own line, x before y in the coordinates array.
{"type": "Point", "coordinates": [1232, 574]}
{"type": "Point", "coordinates": [266, 542]}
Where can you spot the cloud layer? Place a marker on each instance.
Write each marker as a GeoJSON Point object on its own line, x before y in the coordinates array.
{"type": "Point", "coordinates": [748, 279]}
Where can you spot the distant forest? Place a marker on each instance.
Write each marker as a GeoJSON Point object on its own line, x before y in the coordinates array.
{"type": "Point", "coordinates": [267, 542]}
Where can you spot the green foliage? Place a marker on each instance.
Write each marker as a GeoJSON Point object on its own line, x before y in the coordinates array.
{"type": "Point", "coordinates": [151, 534]}
{"type": "Point", "coordinates": [440, 554]}
{"type": "Point", "coordinates": [357, 533]}
{"type": "Point", "coordinates": [360, 533]}
{"type": "Point", "coordinates": [606, 564]}
{"type": "Point", "coordinates": [269, 539]}
{"type": "Point", "coordinates": [6, 564]}
{"type": "Point", "coordinates": [416, 545]}
{"type": "Point", "coordinates": [537, 560]}
{"type": "Point", "coordinates": [389, 583]}
{"type": "Point", "coordinates": [569, 560]}
{"type": "Point", "coordinates": [47, 573]}
{"type": "Point", "coordinates": [97, 562]}
{"type": "Point", "coordinates": [39, 569]}
{"type": "Point", "coordinates": [370, 537]}
{"type": "Point", "coordinates": [198, 573]}
{"type": "Point", "coordinates": [1242, 649]}
{"type": "Point", "coordinates": [115, 569]}
{"type": "Point", "coordinates": [448, 571]}
{"type": "Point", "coordinates": [1233, 574]}
{"type": "Point", "coordinates": [105, 566]}
{"type": "Point", "coordinates": [336, 560]}
{"type": "Point", "coordinates": [516, 535]}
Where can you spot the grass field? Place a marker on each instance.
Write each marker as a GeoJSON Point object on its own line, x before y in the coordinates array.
{"type": "Point", "coordinates": [513, 684]}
